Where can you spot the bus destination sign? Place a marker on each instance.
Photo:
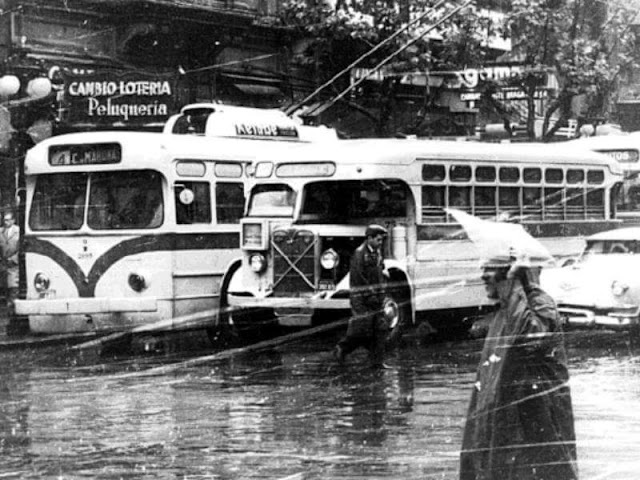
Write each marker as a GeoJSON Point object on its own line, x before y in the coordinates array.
{"type": "Point", "coordinates": [88, 154]}
{"type": "Point", "coordinates": [623, 156]}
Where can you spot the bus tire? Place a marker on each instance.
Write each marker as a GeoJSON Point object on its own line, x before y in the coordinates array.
{"type": "Point", "coordinates": [397, 312]}
{"type": "Point", "coordinates": [220, 333]}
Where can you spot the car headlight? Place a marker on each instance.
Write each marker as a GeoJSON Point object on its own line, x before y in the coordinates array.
{"type": "Point", "coordinates": [41, 282]}
{"type": "Point", "coordinates": [137, 282]}
{"type": "Point", "coordinates": [329, 259]}
{"type": "Point", "coordinates": [257, 263]}
{"type": "Point", "coordinates": [618, 288]}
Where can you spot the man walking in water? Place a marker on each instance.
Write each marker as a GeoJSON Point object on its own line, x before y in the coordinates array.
{"type": "Point", "coordinates": [366, 327]}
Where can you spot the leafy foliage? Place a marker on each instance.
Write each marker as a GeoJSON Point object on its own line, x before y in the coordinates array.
{"type": "Point", "coordinates": [587, 44]}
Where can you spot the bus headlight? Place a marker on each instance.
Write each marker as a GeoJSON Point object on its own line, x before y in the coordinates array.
{"type": "Point", "coordinates": [329, 259]}
{"type": "Point", "coordinates": [618, 288]}
{"type": "Point", "coordinates": [137, 282]}
{"type": "Point", "coordinates": [257, 262]}
{"type": "Point", "coordinates": [41, 282]}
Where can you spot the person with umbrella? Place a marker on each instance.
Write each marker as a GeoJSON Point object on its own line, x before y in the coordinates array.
{"type": "Point", "coordinates": [520, 419]}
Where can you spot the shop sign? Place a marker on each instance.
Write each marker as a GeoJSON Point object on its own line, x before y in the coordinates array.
{"type": "Point", "coordinates": [506, 94]}
{"type": "Point", "coordinates": [107, 98]}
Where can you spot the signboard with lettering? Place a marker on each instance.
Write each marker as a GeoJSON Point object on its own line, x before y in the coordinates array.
{"type": "Point", "coordinates": [85, 154]}
{"type": "Point", "coordinates": [110, 99]}
{"type": "Point", "coordinates": [622, 155]}
{"type": "Point", "coordinates": [265, 130]}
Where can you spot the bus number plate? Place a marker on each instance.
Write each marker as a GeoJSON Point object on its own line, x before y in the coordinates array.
{"type": "Point", "coordinates": [324, 285]}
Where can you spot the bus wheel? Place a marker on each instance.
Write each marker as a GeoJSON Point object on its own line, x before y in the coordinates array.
{"type": "Point", "coordinates": [396, 310]}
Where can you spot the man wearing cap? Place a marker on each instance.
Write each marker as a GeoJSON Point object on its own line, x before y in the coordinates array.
{"type": "Point", "coordinates": [367, 284]}
{"type": "Point", "coordinates": [520, 420]}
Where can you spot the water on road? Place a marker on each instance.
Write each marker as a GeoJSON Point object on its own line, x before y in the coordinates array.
{"type": "Point", "coordinates": [287, 414]}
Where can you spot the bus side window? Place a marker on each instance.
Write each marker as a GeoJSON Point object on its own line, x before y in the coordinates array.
{"type": "Point", "coordinates": [193, 202]}
{"type": "Point", "coordinates": [229, 202]}
{"type": "Point", "coordinates": [459, 198]}
{"type": "Point", "coordinates": [485, 202]}
{"type": "Point", "coordinates": [433, 204]}
{"type": "Point", "coordinates": [595, 203]}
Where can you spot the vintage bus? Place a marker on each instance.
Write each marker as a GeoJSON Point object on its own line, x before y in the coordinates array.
{"type": "Point", "coordinates": [625, 149]}
{"type": "Point", "coordinates": [304, 219]}
{"type": "Point", "coordinates": [130, 228]}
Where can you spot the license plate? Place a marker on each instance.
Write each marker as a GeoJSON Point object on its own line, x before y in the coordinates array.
{"type": "Point", "coordinates": [324, 285]}
{"type": "Point", "coordinates": [48, 294]}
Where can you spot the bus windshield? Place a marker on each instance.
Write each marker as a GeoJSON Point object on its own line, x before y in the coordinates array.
{"type": "Point", "coordinates": [277, 200]}
{"type": "Point", "coordinates": [58, 202]}
{"type": "Point", "coordinates": [354, 201]}
{"type": "Point", "coordinates": [117, 200]}
{"type": "Point", "coordinates": [121, 200]}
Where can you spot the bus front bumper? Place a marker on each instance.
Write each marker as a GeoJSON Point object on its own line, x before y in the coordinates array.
{"type": "Point", "coordinates": [71, 306]}
{"type": "Point", "coordinates": [290, 311]}
{"type": "Point", "coordinates": [317, 302]}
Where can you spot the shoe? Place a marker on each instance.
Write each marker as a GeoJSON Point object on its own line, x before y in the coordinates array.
{"type": "Point", "coordinates": [338, 354]}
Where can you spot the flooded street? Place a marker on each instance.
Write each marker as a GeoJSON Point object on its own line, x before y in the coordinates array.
{"type": "Point", "coordinates": [290, 414]}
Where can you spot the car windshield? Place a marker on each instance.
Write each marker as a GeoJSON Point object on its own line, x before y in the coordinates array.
{"type": "Point", "coordinates": [612, 247]}
{"type": "Point", "coordinates": [276, 200]}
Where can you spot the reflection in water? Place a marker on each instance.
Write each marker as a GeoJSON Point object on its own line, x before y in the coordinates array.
{"type": "Point", "coordinates": [292, 412]}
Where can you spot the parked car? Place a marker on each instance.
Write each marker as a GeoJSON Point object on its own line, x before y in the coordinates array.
{"type": "Point", "coordinates": [600, 288]}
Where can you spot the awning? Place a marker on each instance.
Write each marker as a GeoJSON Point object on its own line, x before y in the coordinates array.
{"type": "Point", "coordinates": [262, 90]}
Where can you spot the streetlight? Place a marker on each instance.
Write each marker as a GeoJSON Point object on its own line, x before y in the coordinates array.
{"type": "Point", "coordinates": [38, 87]}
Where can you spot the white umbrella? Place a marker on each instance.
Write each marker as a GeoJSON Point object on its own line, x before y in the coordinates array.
{"type": "Point", "coordinates": [499, 241]}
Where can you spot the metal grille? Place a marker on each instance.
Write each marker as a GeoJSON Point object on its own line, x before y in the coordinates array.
{"type": "Point", "coordinates": [293, 263]}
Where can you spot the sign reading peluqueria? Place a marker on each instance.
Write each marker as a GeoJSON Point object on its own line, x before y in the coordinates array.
{"type": "Point", "coordinates": [106, 98]}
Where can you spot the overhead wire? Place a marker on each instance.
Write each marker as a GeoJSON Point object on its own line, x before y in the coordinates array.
{"type": "Point", "coordinates": [392, 55]}
{"type": "Point", "coordinates": [368, 53]}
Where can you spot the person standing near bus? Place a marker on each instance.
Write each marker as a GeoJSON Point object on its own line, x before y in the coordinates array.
{"type": "Point", "coordinates": [520, 420]}
{"type": "Point", "coordinates": [9, 244]}
{"type": "Point", "coordinates": [366, 327]}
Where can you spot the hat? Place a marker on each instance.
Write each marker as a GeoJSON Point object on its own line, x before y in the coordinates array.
{"type": "Point", "coordinates": [373, 230]}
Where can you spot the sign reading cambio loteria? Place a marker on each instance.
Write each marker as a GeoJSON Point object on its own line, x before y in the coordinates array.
{"type": "Point", "coordinates": [104, 98]}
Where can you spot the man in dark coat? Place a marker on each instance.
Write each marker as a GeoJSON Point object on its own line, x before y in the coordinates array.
{"type": "Point", "coordinates": [367, 327]}
{"type": "Point", "coordinates": [520, 420]}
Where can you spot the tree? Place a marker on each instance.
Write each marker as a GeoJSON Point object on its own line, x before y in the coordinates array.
{"type": "Point", "coordinates": [586, 44]}
{"type": "Point", "coordinates": [339, 33]}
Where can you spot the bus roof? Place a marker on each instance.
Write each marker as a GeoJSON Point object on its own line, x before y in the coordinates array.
{"type": "Point", "coordinates": [406, 151]}
{"type": "Point", "coordinates": [141, 150]}
{"type": "Point", "coordinates": [624, 148]}
{"type": "Point", "coordinates": [232, 121]}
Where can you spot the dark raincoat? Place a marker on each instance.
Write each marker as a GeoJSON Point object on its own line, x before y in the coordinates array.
{"type": "Point", "coordinates": [367, 284]}
{"type": "Point", "coordinates": [520, 421]}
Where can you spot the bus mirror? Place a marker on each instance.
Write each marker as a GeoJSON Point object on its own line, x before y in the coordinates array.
{"type": "Point", "coordinates": [186, 196]}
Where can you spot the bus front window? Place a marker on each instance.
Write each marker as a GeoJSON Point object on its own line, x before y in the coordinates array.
{"type": "Point", "coordinates": [275, 200]}
{"type": "Point", "coordinates": [123, 200]}
{"type": "Point", "coordinates": [58, 202]}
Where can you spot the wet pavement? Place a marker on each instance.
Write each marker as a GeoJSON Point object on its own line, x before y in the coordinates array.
{"type": "Point", "coordinates": [289, 414]}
